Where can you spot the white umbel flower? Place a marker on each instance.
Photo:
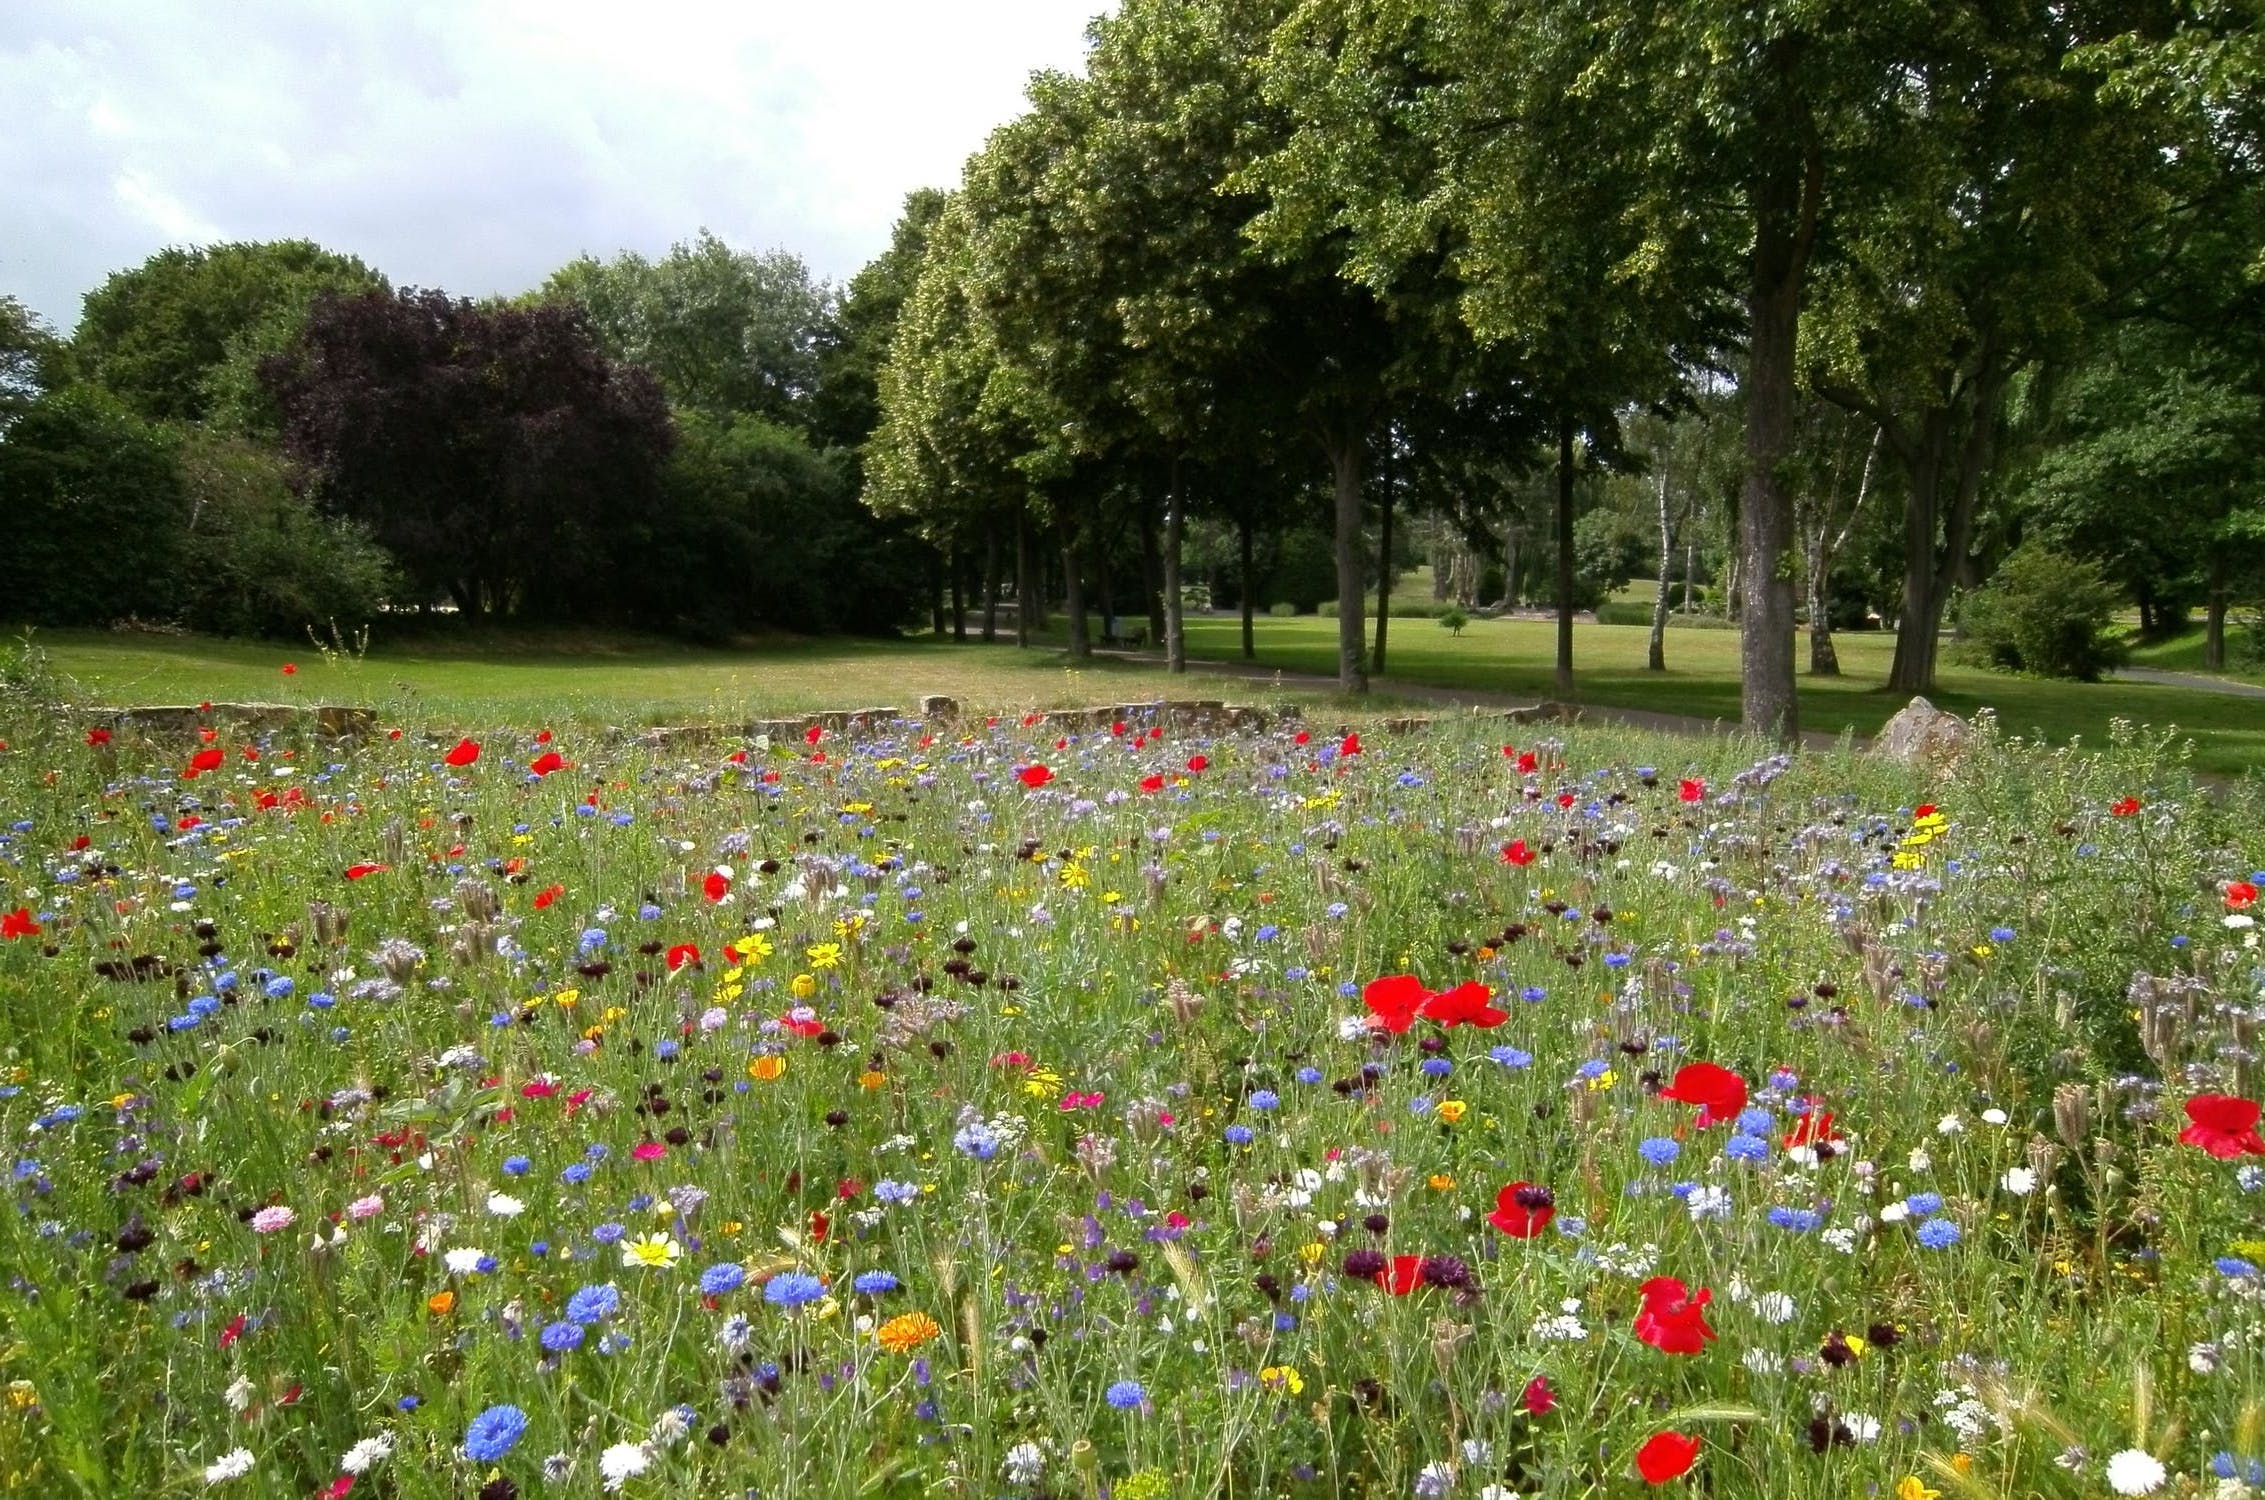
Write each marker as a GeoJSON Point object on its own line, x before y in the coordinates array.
{"type": "Point", "coordinates": [2135, 1472]}
{"type": "Point", "coordinates": [623, 1462]}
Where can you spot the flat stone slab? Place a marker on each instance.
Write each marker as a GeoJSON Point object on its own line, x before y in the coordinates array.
{"type": "Point", "coordinates": [183, 720]}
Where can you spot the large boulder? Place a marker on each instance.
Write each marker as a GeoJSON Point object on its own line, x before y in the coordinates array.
{"type": "Point", "coordinates": [1923, 735]}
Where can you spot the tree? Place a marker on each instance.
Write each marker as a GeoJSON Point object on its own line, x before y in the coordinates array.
{"type": "Point", "coordinates": [30, 357]}
{"type": "Point", "coordinates": [158, 336]}
{"type": "Point", "coordinates": [493, 451]}
{"type": "Point", "coordinates": [96, 513]}
{"type": "Point", "coordinates": [724, 330]}
{"type": "Point", "coordinates": [855, 344]}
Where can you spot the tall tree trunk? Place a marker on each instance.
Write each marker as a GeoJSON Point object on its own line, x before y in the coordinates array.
{"type": "Point", "coordinates": [1786, 204]}
{"type": "Point", "coordinates": [1106, 578]}
{"type": "Point", "coordinates": [1930, 570]}
{"type": "Point", "coordinates": [1655, 654]}
{"type": "Point", "coordinates": [2214, 620]}
{"type": "Point", "coordinates": [1824, 661]}
{"type": "Point", "coordinates": [936, 569]}
{"type": "Point", "coordinates": [1073, 588]}
{"type": "Point", "coordinates": [1564, 555]}
{"type": "Point", "coordinates": [959, 593]}
{"type": "Point", "coordinates": [1384, 556]}
{"type": "Point", "coordinates": [1690, 573]}
{"type": "Point", "coordinates": [1024, 593]}
{"type": "Point", "coordinates": [1509, 569]}
{"type": "Point", "coordinates": [1152, 572]}
{"type": "Point", "coordinates": [1175, 622]}
{"type": "Point", "coordinates": [990, 581]}
{"type": "Point", "coordinates": [1352, 635]}
{"type": "Point", "coordinates": [1249, 586]}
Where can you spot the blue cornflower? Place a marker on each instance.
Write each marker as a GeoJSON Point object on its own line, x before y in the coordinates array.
{"type": "Point", "coordinates": [1437, 1067]}
{"type": "Point", "coordinates": [724, 1276]}
{"type": "Point", "coordinates": [1923, 1204]}
{"type": "Point", "coordinates": [895, 1193]}
{"type": "Point", "coordinates": [1743, 1147]}
{"type": "Point", "coordinates": [1799, 1220]}
{"type": "Point", "coordinates": [874, 1283]}
{"type": "Point", "coordinates": [494, 1433]}
{"type": "Point", "coordinates": [562, 1336]}
{"type": "Point", "coordinates": [1309, 1075]}
{"type": "Point", "coordinates": [1755, 1121]}
{"type": "Point", "coordinates": [517, 1166]}
{"type": "Point", "coordinates": [1658, 1150]}
{"type": "Point", "coordinates": [606, 1234]}
{"type": "Point", "coordinates": [1533, 992]}
{"type": "Point", "coordinates": [793, 1289]}
{"type": "Point", "coordinates": [1237, 1135]}
{"type": "Point", "coordinates": [1938, 1234]}
{"type": "Point", "coordinates": [593, 1303]}
{"type": "Point", "coordinates": [976, 1139]}
{"type": "Point", "coordinates": [1595, 1067]}
{"type": "Point", "coordinates": [1269, 933]}
{"type": "Point", "coordinates": [1265, 1099]}
{"type": "Point", "coordinates": [1125, 1395]}
{"type": "Point", "coordinates": [575, 1173]}
{"type": "Point", "coordinates": [2234, 1265]}
{"type": "Point", "coordinates": [2001, 934]}
{"type": "Point", "coordinates": [1511, 1057]}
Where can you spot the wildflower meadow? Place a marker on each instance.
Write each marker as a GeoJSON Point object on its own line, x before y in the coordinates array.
{"type": "Point", "coordinates": [987, 1108]}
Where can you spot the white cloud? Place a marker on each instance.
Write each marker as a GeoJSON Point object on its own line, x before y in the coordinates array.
{"type": "Point", "coordinates": [478, 144]}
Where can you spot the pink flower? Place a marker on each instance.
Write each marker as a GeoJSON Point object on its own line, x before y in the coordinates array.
{"type": "Point", "coordinates": [270, 1220]}
{"type": "Point", "coordinates": [649, 1151]}
{"type": "Point", "coordinates": [365, 1208]}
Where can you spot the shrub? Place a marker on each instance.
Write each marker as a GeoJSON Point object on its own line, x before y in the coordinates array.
{"type": "Point", "coordinates": [262, 562]}
{"type": "Point", "coordinates": [1305, 571]}
{"type": "Point", "coordinates": [1453, 620]}
{"type": "Point", "coordinates": [96, 512]}
{"type": "Point", "coordinates": [2047, 614]}
{"type": "Point", "coordinates": [1282, 610]}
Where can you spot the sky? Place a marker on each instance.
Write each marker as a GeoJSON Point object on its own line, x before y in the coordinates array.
{"type": "Point", "coordinates": [477, 145]}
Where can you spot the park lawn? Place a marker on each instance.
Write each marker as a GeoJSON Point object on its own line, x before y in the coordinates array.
{"type": "Point", "coordinates": [1516, 656]}
{"type": "Point", "coordinates": [2183, 653]}
{"type": "Point", "coordinates": [599, 679]}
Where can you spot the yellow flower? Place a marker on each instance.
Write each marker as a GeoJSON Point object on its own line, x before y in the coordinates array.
{"type": "Point", "coordinates": [753, 948]}
{"type": "Point", "coordinates": [907, 1331]}
{"type": "Point", "coordinates": [1909, 1488]}
{"type": "Point", "coordinates": [803, 986]}
{"type": "Point", "coordinates": [872, 1078]}
{"type": "Point", "coordinates": [656, 1250]}
{"type": "Point", "coordinates": [1603, 1081]}
{"type": "Point", "coordinates": [1042, 1083]}
{"type": "Point", "coordinates": [566, 998]}
{"type": "Point", "coordinates": [1074, 877]}
{"type": "Point", "coordinates": [1452, 1110]}
{"type": "Point", "coordinates": [1312, 1251]}
{"type": "Point", "coordinates": [824, 955]}
{"type": "Point", "coordinates": [1282, 1378]}
{"type": "Point", "coordinates": [767, 1069]}
{"type": "Point", "coordinates": [1440, 1182]}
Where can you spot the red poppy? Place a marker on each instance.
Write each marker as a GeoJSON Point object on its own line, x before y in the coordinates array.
{"type": "Point", "coordinates": [339, 1488]}
{"type": "Point", "coordinates": [1565, 799]}
{"type": "Point", "coordinates": [1529, 763]}
{"type": "Point", "coordinates": [1117, 728]}
{"type": "Point", "coordinates": [716, 886]}
{"type": "Point", "coordinates": [1718, 1092]}
{"type": "Point", "coordinates": [1813, 1128]}
{"type": "Point", "coordinates": [542, 737]}
{"type": "Point", "coordinates": [18, 923]}
{"type": "Point", "coordinates": [1394, 1000]}
{"type": "Point", "coordinates": [1692, 789]}
{"type": "Point", "coordinates": [234, 1330]}
{"type": "Point", "coordinates": [802, 1028]}
{"type": "Point", "coordinates": [1517, 853]}
{"type": "Point", "coordinates": [356, 872]}
{"type": "Point", "coordinates": [1300, 738]}
{"type": "Point", "coordinates": [1403, 1276]}
{"type": "Point", "coordinates": [682, 954]}
{"type": "Point", "coordinates": [2224, 1126]}
{"type": "Point", "coordinates": [203, 761]}
{"type": "Point", "coordinates": [1152, 783]}
{"type": "Point", "coordinates": [1523, 1210]}
{"type": "Point", "coordinates": [1464, 1005]}
{"type": "Point", "coordinates": [290, 669]}
{"type": "Point", "coordinates": [1197, 763]}
{"type": "Point", "coordinates": [813, 734]}
{"type": "Point", "coordinates": [1923, 810]}
{"type": "Point", "coordinates": [1034, 777]}
{"type": "Point", "coordinates": [548, 894]}
{"type": "Point", "coordinates": [1350, 744]}
{"type": "Point", "coordinates": [1667, 1455]}
{"type": "Point", "coordinates": [98, 736]}
{"type": "Point", "coordinates": [2125, 808]}
{"type": "Point", "coordinates": [547, 762]}
{"type": "Point", "coordinates": [1062, 742]}
{"type": "Point", "coordinates": [1673, 1319]}
{"type": "Point", "coordinates": [1539, 1400]}
{"type": "Point", "coordinates": [2240, 894]}
{"type": "Point", "coordinates": [466, 751]}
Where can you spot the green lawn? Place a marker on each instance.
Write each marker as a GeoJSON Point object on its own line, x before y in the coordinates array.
{"type": "Point", "coordinates": [2183, 653]}
{"type": "Point", "coordinates": [602, 679]}
{"type": "Point", "coordinates": [1516, 656]}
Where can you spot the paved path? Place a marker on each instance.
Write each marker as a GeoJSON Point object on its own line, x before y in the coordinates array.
{"type": "Point", "coordinates": [1446, 697]}
{"type": "Point", "coordinates": [2192, 680]}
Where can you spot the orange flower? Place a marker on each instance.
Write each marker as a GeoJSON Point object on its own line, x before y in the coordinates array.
{"type": "Point", "coordinates": [441, 1304]}
{"type": "Point", "coordinates": [907, 1331]}
{"type": "Point", "coordinates": [768, 1068]}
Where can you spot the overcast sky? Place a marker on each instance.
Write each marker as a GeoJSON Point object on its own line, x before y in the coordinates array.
{"type": "Point", "coordinates": [475, 145]}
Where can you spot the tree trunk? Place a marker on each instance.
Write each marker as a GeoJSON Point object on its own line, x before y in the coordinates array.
{"type": "Point", "coordinates": [1073, 589]}
{"type": "Point", "coordinates": [1564, 555]}
{"type": "Point", "coordinates": [1824, 661]}
{"type": "Point", "coordinates": [1352, 635]}
{"type": "Point", "coordinates": [1384, 558]}
{"type": "Point", "coordinates": [1175, 622]}
{"type": "Point", "coordinates": [1249, 588]}
{"type": "Point", "coordinates": [1655, 655]}
{"type": "Point", "coordinates": [1690, 573]}
{"type": "Point", "coordinates": [959, 593]}
{"type": "Point", "coordinates": [990, 582]}
{"type": "Point", "coordinates": [2214, 621]}
{"type": "Point", "coordinates": [1152, 572]}
{"type": "Point", "coordinates": [1509, 569]}
{"type": "Point", "coordinates": [1784, 222]}
{"type": "Point", "coordinates": [1105, 577]}
{"type": "Point", "coordinates": [1023, 590]}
